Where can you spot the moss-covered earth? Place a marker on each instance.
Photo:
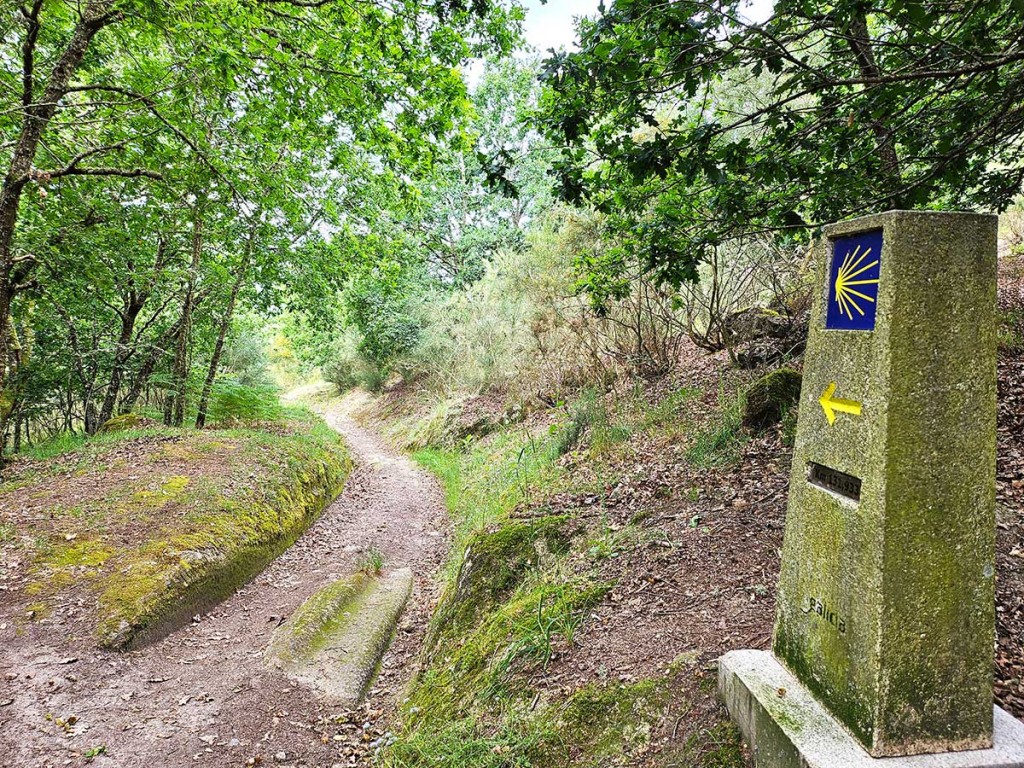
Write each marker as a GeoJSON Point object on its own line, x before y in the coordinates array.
{"type": "Point", "coordinates": [770, 398]}
{"type": "Point", "coordinates": [147, 527]}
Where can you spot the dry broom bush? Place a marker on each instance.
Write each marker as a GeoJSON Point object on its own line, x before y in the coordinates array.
{"type": "Point", "coordinates": [523, 328]}
{"type": "Point", "coordinates": [742, 275]}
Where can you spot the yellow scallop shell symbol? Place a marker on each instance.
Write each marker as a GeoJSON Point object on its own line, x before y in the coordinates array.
{"type": "Point", "coordinates": [847, 297]}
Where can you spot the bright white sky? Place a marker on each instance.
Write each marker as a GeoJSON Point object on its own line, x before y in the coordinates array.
{"type": "Point", "coordinates": [551, 25]}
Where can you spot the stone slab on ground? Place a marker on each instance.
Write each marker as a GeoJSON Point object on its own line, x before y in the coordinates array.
{"type": "Point", "coordinates": [335, 641]}
{"type": "Point", "coordinates": [786, 727]}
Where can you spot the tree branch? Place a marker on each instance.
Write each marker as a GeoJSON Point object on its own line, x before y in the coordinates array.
{"type": "Point", "coordinates": [127, 173]}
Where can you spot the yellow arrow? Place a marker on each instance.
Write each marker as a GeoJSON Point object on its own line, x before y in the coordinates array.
{"type": "Point", "coordinates": [831, 404]}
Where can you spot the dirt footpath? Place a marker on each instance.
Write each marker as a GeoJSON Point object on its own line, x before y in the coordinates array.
{"type": "Point", "coordinates": [203, 696]}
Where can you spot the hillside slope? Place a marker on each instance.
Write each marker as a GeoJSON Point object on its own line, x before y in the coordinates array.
{"type": "Point", "coordinates": [608, 551]}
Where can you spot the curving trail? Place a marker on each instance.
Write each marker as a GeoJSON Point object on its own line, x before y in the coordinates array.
{"type": "Point", "coordinates": [203, 696]}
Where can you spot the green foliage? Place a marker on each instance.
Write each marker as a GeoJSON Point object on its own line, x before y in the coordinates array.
{"type": "Point", "coordinates": [59, 444]}
{"type": "Point", "coordinates": [93, 752]}
{"type": "Point", "coordinates": [721, 442]}
{"type": "Point", "coordinates": [517, 591]}
{"type": "Point", "coordinates": [493, 564]}
{"type": "Point", "coordinates": [233, 403]}
{"type": "Point", "coordinates": [371, 563]}
{"type": "Point", "coordinates": [379, 309]}
{"type": "Point", "coordinates": [479, 200]}
{"type": "Point", "coordinates": [460, 743]}
{"type": "Point", "coordinates": [668, 411]}
{"type": "Point", "coordinates": [347, 367]}
{"type": "Point", "coordinates": [172, 197]}
{"type": "Point", "coordinates": [524, 328]}
{"type": "Point", "coordinates": [483, 485]}
{"type": "Point", "coordinates": [536, 632]}
{"type": "Point", "coordinates": [689, 126]}
{"type": "Point", "coordinates": [486, 665]}
{"type": "Point", "coordinates": [589, 413]}
{"type": "Point", "coordinates": [1010, 332]}
{"type": "Point", "coordinates": [245, 356]}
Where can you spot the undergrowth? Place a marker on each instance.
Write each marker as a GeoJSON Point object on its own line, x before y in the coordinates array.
{"type": "Point", "coordinates": [720, 443]}
{"type": "Point", "coordinates": [519, 588]}
{"type": "Point", "coordinates": [486, 481]}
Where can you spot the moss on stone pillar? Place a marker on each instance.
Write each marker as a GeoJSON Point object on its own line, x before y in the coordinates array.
{"type": "Point", "coordinates": [886, 599]}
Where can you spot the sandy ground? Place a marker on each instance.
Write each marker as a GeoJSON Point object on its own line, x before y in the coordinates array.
{"type": "Point", "coordinates": [203, 696]}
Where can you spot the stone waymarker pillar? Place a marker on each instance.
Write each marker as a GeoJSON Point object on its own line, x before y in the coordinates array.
{"type": "Point", "coordinates": [886, 611]}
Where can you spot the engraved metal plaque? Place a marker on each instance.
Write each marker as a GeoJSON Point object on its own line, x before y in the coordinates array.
{"type": "Point", "coordinates": [833, 480]}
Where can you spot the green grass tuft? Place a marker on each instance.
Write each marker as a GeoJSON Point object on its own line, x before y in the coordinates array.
{"type": "Point", "coordinates": [372, 562]}
{"type": "Point", "coordinates": [65, 442]}
{"type": "Point", "coordinates": [720, 444]}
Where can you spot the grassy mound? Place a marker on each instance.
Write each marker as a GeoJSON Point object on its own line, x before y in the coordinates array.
{"type": "Point", "coordinates": [144, 528]}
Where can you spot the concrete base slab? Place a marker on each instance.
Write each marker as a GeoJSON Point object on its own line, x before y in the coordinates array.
{"type": "Point", "coordinates": [786, 727]}
{"type": "Point", "coordinates": [335, 641]}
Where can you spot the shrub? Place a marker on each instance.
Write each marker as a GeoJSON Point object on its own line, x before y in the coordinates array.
{"type": "Point", "coordinates": [720, 444]}
{"type": "Point", "coordinates": [372, 562]}
{"type": "Point", "coordinates": [379, 310]}
{"type": "Point", "coordinates": [245, 354]}
{"type": "Point", "coordinates": [232, 403]}
{"type": "Point", "coordinates": [348, 367]}
{"type": "Point", "coordinates": [1010, 332]}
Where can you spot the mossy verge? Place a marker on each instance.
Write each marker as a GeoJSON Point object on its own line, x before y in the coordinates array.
{"type": "Point", "coordinates": [519, 588]}
{"type": "Point", "coordinates": [148, 527]}
{"type": "Point", "coordinates": [492, 565]}
{"type": "Point", "coordinates": [171, 580]}
{"type": "Point", "coordinates": [599, 725]}
{"type": "Point", "coordinates": [484, 667]}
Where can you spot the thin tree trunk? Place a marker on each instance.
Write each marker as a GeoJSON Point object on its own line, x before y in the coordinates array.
{"type": "Point", "coordinates": [859, 40]}
{"type": "Point", "coordinates": [122, 355]}
{"type": "Point", "coordinates": [159, 349]}
{"type": "Point", "coordinates": [69, 413]}
{"type": "Point", "coordinates": [225, 324]}
{"type": "Point", "coordinates": [141, 381]}
{"type": "Point", "coordinates": [86, 377]}
{"type": "Point", "coordinates": [174, 411]}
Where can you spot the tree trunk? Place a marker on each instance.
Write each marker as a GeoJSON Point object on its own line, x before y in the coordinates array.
{"type": "Point", "coordinates": [174, 411]}
{"type": "Point", "coordinates": [87, 377]}
{"type": "Point", "coordinates": [69, 404]}
{"type": "Point", "coordinates": [859, 40]}
{"type": "Point", "coordinates": [146, 369]}
{"type": "Point", "coordinates": [37, 115]}
{"type": "Point", "coordinates": [225, 324]}
{"type": "Point", "coordinates": [123, 353]}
